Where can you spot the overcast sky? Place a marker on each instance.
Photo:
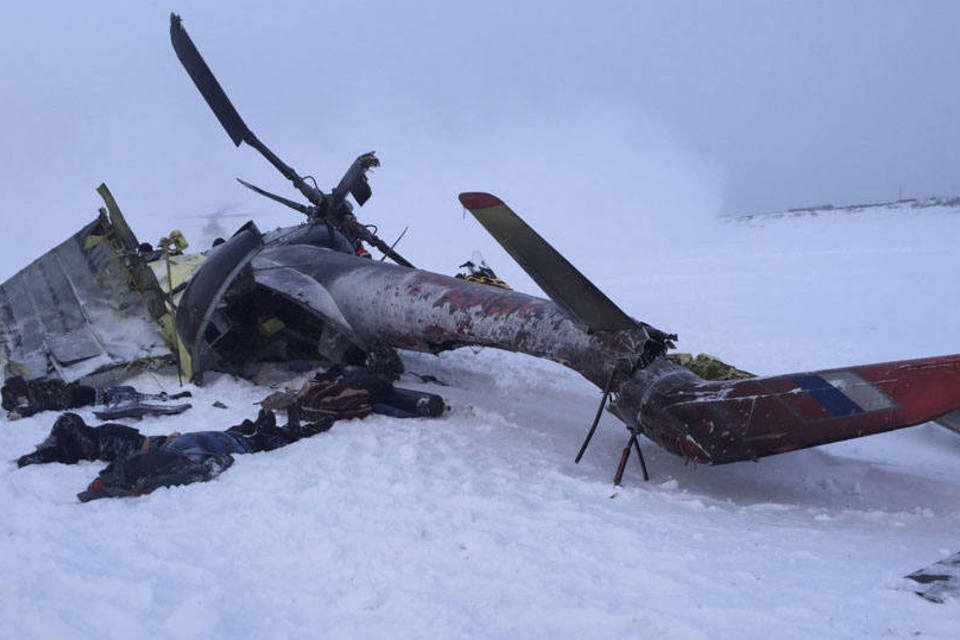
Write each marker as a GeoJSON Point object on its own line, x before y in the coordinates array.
{"type": "Point", "coordinates": [645, 118]}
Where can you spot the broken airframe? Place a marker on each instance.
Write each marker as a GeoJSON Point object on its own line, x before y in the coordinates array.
{"type": "Point", "coordinates": [102, 305]}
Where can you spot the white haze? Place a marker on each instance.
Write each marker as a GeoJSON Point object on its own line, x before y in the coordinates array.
{"type": "Point", "coordinates": [641, 119]}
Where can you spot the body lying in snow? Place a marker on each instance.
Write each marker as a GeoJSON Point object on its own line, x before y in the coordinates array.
{"type": "Point", "coordinates": [139, 464]}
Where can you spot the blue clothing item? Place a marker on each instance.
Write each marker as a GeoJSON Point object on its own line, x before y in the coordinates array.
{"type": "Point", "coordinates": [200, 445]}
{"type": "Point", "coordinates": [393, 412]}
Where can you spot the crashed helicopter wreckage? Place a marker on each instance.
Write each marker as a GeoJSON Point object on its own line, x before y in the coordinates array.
{"type": "Point", "coordinates": [96, 305]}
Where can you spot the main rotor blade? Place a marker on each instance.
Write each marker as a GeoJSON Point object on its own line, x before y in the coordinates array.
{"type": "Point", "coordinates": [551, 271]}
{"type": "Point", "coordinates": [290, 203]}
{"type": "Point", "coordinates": [209, 88]}
{"type": "Point", "coordinates": [354, 181]}
{"type": "Point", "coordinates": [213, 93]}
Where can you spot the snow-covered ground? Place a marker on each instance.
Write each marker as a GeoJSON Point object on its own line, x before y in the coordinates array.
{"type": "Point", "coordinates": [479, 524]}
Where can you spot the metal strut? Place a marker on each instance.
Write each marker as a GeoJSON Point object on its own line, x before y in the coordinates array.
{"type": "Point", "coordinates": [633, 442]}
{"type": "Point", "coordinates": [596, 419]}
{"type": "Point", "coordinates": [167, 242]}
{"type": "Point", "coordinates": [618, 476]}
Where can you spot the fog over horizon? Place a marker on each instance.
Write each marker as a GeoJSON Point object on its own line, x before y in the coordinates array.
{"type": "Point", "coordinates": [638, 121]}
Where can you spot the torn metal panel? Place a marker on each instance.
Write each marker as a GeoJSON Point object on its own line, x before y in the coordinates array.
{"type": "Point", "coordinates": [77, 311]}
{"type": "Point", "coordinates": [125, 244]}
{"type": "Point", "coordinates": [200, 323]}
{"type": "Point", "coordinates": [250, 302]}
{"type": "Point", "coordinates": [271, 271]}
{"type": "Point", "coordinates": [311, 291]}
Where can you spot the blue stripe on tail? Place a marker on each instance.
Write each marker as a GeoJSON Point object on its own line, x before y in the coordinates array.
{"type": "Point", "coordinates": [827, 395]}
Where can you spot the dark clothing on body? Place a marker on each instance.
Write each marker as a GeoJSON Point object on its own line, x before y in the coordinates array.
{"type": "Point", "coordinates": [139, 464]}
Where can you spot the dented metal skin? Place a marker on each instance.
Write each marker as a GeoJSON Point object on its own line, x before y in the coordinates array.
{"type": "Point", "coordinates": [423, 311]}
{"type": "Point", "coordinates": [257, 294]}
{"type": "Point", "coordinates": [80, 313]}
{"type": "Point", "coordinates": [373, 303]}
{"type": "Point", "coordinates": [729, 421]}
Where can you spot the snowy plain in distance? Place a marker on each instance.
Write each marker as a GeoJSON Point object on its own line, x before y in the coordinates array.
{"type": "Point", "coordinates": [478, 524]}
{"type": "Point", "coordinates": [620, 134]}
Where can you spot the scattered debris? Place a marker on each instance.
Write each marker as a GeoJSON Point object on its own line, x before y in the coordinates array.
{"type": "Point", "coordinates": [94, 309]}
{"type": "Point", "coordinates": [938, 582]}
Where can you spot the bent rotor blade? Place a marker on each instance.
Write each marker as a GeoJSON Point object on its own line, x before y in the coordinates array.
{"type": "Point", "coordinates": [213, 93]}
{"type": "Point", "coordinates": [290, 203]}
{"type": "Point", "coordinates": [356, 229]}
{"type": "Point", "coordinates": [209, 88]}
{"type": "Point", "coordinates": [354, 181]}
{"type": "Point", "coordinates": [551, 271]}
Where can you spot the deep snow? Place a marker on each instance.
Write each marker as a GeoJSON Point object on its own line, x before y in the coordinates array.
{"type": "Point", "coordinates": [480, 525]}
